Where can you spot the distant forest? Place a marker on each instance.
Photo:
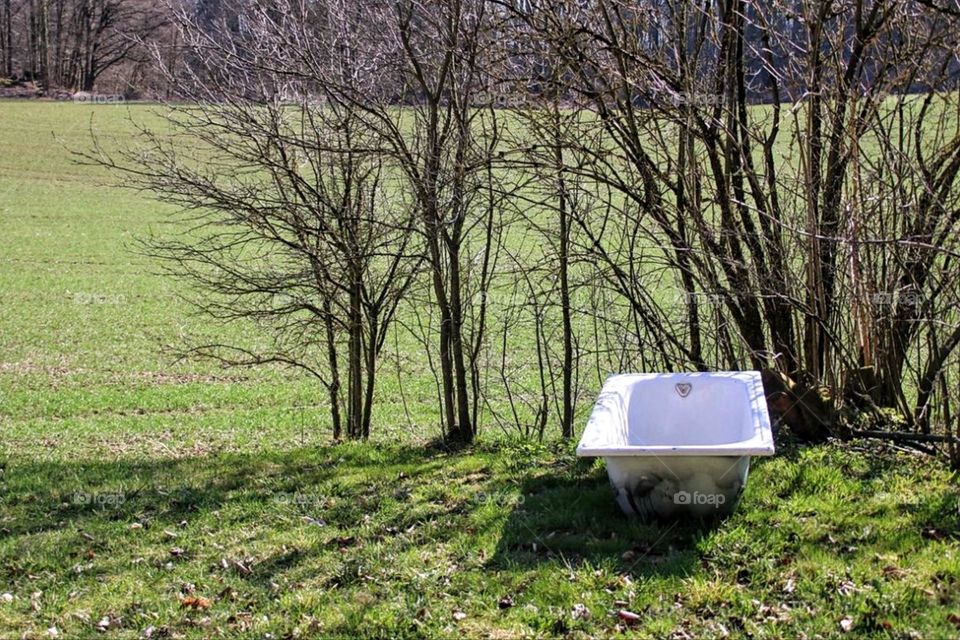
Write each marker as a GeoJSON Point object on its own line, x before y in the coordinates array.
{"type": "Point", "coordinates": [114, 46]}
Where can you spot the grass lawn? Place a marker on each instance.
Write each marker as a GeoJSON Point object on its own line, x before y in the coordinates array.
{"type": "Point", "coordinates": [144, 499]}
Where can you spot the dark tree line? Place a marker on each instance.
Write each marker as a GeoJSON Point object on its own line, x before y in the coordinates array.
{"type": "Point", "coordinates": [71, 44]}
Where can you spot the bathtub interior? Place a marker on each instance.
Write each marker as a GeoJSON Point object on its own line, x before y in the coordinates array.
{"type": "Point", "coordinates": [717, 413]}
{"type": "Point", "coordinates": [714, 411]}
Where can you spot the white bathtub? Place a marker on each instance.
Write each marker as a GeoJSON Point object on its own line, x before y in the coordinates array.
{"type": "Point", "coordinates": [679, 444]}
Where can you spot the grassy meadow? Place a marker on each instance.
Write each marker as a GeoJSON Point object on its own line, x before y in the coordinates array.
{"type": "Point", "coordinates": [143, 498]}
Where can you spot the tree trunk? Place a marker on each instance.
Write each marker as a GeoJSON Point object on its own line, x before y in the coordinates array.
{"type": "Point", "coordinates": [373, 338]}
{"type": "Point", "coordinates": [446, 367]}
{"type": "Point", "coordinates": [355, 376]}
{"type": "Point", "coordinates": [7, 41]}
{"type": "Point", "coordinates": [56, 68]}
{"type": "Point", "coordinates": [566, 419]}
{"type": "Point", "coordinates": [464, 431]}
{"type": "Point", "coordinates": [334, 388]}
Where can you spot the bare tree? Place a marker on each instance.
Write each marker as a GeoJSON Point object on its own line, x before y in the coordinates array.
{"type": "Point", "coordinates": [291, 220]}
{"type": "Point", "coordinates": [428, 61]}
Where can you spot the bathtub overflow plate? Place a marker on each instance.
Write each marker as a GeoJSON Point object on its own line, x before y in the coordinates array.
{"type": "Point", "coordinates": [683, 389]}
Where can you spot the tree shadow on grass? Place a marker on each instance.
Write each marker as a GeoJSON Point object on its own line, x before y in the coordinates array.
{"type": "Point", "coordinates": [573, 520]}
{"type": "Point", "coordinates": [88, 506]}
{"type": "Point", "coordinates": [62, 492]}
{"type": "Point", "coordinates": [570, 517]}
{"type": "Point", "coordinates": [303, 515]}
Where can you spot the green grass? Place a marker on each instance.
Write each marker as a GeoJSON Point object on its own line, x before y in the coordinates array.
{"type": "Point", "coordinates": [130, 484]}
{"type": "Point", "coordinates": [504, 541]}
{"type": "Point", "coordinates": [85, 322]}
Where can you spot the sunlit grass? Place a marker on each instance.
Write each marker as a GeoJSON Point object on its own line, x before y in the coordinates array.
{"type": "Point", "coordinates": [141, 495]}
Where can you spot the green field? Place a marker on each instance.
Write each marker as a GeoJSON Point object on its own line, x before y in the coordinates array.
{"type": "Point", "coordinates": [145, 498]}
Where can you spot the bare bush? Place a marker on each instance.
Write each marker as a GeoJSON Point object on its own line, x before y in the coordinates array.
{"type": "Point", "coordinates": [778, 223]}
{"type": "Point", "coordinates": [654, 186]}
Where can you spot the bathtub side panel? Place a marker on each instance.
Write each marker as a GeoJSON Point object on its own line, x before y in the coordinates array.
{"type": "Point", "coordinates": [649, 486]}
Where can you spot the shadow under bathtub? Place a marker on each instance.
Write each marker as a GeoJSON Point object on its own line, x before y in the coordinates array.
{"type": "Point", "coordinates": [575, 520]}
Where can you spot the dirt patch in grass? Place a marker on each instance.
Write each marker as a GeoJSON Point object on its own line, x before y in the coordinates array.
{"type": "Point", "coordinates": [162, 377]}
{"type": "Point", "coordinates": [28, 367]}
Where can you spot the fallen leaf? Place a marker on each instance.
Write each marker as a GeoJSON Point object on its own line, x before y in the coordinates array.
{"type": "Point", "coordinates": [846, 624]}
{"type": "Point", "coordinates": [195, 602]}
{"type": "Point", "coordinates": [104, 624]}
{"type": "Point", "coordinates": [459, 615]}
{"type": "Point", "coordinates": [628, 617]}
{"type": "Point", "coordinates": [893, 572]}
{"type": "Point", "coordinates": [314, 521]}
{"type": "Point", "coordinates": [847, 587]}
{"type": "Point", "coordinates": [954, 619]}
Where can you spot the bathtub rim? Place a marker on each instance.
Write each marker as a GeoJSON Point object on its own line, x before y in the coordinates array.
{"type": "Point", "coordinates": [760, 443]}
